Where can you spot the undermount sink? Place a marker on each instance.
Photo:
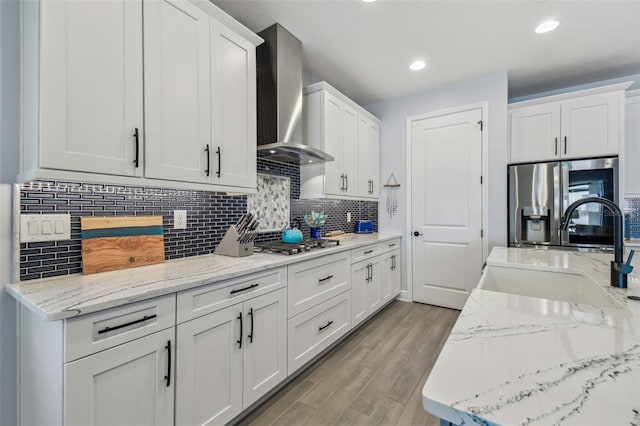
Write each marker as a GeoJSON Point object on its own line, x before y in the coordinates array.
{"type": "Point", "coordinates": [567, 287]}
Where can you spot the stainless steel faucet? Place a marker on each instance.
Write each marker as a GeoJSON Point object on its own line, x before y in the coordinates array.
{"type": "Point", "coordinates": [619, 269]}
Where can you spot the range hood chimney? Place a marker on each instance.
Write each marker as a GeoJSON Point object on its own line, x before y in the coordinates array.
{"type": "Point", "coordinates": [279, 84]}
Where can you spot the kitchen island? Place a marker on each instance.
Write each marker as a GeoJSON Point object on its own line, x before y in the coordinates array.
{"type": "Point", "coordinates": [518, 360]}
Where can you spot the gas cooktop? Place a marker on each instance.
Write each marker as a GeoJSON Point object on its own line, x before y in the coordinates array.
{"type": "Point", "coordinates": [278, 247]}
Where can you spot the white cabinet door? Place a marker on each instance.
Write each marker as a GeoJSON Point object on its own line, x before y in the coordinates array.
{"type": "Point", "coordinates": [130, 384]}
{"type": "Point", "coordinates": [265, 344]}
{"type": "Point", "coordinates": [386, 269]}
{"type": "Point", "coordinates": [233, 96]}
{"type": "Point", "coordinates": [396, 277]}
{"type": "Point", "coordinates": [91, 86]}
{"type": "Point", "coordinates": [632, 148]}
{"type": "Point", "coordinates": [177, 90]}
{"type": "Point", "coordinates": [334, 183]}
{"type": "Point", "coordinates": [349, 145]}
{"type": "Point", "coordinates": [359, 275]}
{"type": "Point", "coordinates": [368, 157]}
{"type": "Point", "coordinates": [590, 125]}
{"type": "Point", "coordinates": [209, 368]}
{"type": "Point", "coordinates": [372, 293]}
{"type": "Point", "coordinates": [535, 133]}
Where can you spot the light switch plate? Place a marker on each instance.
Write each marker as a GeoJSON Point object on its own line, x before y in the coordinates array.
{"type": "Point", "coordinates": [179, 219]}
{"type": "Point", "coordinates": [44, 227]}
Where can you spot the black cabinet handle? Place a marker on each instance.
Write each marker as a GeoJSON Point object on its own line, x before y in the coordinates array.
{"type": "Point", "coordinates": [565, 144]}
{"type": "Point", "coordinates": [392, 245]}
{"type": "Point", "coordinates": [342, 182]}
{"type": "Point", "coordinates": [328, 277]}
{"type": "Point", "coordinates": [208, 151]}
{"type": "Point", "coordinates": [368, 251]}
{"type": "Point", "coordinates": [325, 326]}
{"type": "Point", "coordinates": [245, 288]}
{"type": "Point", "coordinates": [143, 319]}
{"type": "Point", "coordinates": [219, 161]}
{"type": "Point", "coordinates": [346, 180]}
{"type": "Point", "coordinates": [168, 376]}
{"type": "Point", "coordinates": [136, 137]}
{"type": "Point", "coordinates": [556, 146]}
{"type": "Point", "coordinates": [250, 335]}
{"type": "Point", "coordinates": [239, 341]}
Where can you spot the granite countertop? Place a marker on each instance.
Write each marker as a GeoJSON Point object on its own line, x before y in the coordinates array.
{"type": "Point", "coordinates": [73, 295]}
{"type": "Point", "coordinates": [516, 360]}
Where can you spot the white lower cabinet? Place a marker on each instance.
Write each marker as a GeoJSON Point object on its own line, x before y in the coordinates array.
{"type": "Point", "coordinates": [365, 289]}
{"type": "Point", "coordinates": [229, 358]}
{"type": "Point", "coordinates": [129, 384]}
{"type": "Point", "coordinates": [375, 278]}
{"type": "Point", "coordinates": [317, 328]}
{"type": "Point", "coordinates": [390, 275]}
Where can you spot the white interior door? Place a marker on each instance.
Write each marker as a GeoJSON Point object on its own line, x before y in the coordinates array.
{"type": "Point", "coordinates": [446, 155]}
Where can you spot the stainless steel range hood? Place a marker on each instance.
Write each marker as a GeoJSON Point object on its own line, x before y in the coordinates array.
{"type": "Point", "coordinates": [279, 81]}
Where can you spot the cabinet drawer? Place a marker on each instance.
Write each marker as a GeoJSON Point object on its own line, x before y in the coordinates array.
{"type": "Point", "coordinates": [88, 334]}
{"type": "Point", "coordinates": [210, 298]}
{"type": "Point", "coordinates": [390, 245]}
{"type": "Point", "coordinates": [367, 252]}
{"type": "Point", "coordinates": [315, 281]}
{"type": "Point", "coordinates": [316, 329]}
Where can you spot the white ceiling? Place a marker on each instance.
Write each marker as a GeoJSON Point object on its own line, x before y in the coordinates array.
{"type": "Point", "coordinates": [364, 49]}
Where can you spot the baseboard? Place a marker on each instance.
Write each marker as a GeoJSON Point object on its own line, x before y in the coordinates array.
{"type": "Point", "coordinates": [404, 296]}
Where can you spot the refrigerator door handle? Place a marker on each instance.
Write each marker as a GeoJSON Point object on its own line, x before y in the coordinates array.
{"type": "Point", "coordinates": [564, 201]}
{"type": "Point", "coordinates": [557, 205]}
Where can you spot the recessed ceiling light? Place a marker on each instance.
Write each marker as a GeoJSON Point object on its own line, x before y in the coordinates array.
{"type": "Point", "coordinates": [309, 161]}
{"type": "Point", "coordinates": [272, 151]}
{"type": "Point", "coordinates": [368, 1]}
{"type": "Point", "coordinates": [546, 26]}
{"type": "Point", "coordinates": [417, 65]}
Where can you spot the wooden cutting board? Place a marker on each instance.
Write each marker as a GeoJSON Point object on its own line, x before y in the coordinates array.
{"type": "Point", "coordinates": [110, 243]}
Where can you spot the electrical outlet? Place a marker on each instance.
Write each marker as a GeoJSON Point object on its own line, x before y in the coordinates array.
{"type": "Point", "coordinates": [348, 217]}
{"type": "Point", "coordinates": [179, 219]}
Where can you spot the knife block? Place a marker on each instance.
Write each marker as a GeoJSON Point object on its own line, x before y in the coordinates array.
{"type": "Point", "coordinates": [230, 246]}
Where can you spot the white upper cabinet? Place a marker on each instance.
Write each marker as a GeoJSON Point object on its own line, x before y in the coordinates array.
{"type": "Point", "coordinates": [591, 125]}
{"type": "Point", "coordinates": [336, 125]}
{"type": "Point", "coordinates": [632, 147]}
{"type": "Point", "coordinates": [368, 157]}
{"type": "Point", "coordinates": [535, 133]}
{"type": "Point", "coordinates": [233, 95]}
{"type": "Point", "coordinates": [90, 71]}
{"type": "Point", "coordinates": [83, 102]}
{"type": "Point", "coordinates": [177, 90]}
{"type": "Point", "coordinates": [574, 125]}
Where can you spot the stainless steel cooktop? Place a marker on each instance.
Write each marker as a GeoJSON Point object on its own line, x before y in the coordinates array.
{"type": "Point", "coordinates": [278, 247]}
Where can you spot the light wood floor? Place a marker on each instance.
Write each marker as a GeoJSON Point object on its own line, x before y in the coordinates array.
{"type": "Point", "coordinates": [374, 377]}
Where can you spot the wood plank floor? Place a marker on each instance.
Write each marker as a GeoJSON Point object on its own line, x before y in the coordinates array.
{"type": "Point", "coordinates": [374, 377]}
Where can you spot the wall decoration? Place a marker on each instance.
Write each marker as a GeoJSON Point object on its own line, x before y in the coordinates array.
{"type": "Point", "coordinates": [391, 188]}
{"type": "Point", "coordinates": [271, 204]}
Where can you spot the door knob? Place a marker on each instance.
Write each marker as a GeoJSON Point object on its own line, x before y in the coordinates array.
{"type": "Point", "coordinates": [416, 234]}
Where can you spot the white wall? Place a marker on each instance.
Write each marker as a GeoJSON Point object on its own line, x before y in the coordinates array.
{"type": "Point", "coordinates": [9, 145]}
{"type": "Point", "coordinates": [393, 152]}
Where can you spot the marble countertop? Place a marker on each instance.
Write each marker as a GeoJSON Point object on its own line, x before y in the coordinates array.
{"type": "Point", "coordinates": [516, 360]}
{"type": "Point", "coordinates": [73, 295]}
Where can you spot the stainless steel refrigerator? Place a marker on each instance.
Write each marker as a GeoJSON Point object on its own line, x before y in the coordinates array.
{"type": "Point", "coordinates": [539, 194]}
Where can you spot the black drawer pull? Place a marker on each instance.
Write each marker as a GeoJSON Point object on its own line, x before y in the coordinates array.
{"type": "Point", "coordinates": [239, 341]}
{"type": "Point", "coordinates": [143, 319]}
{"type": "Point", "coordinates": [392, 245]}
{"type": "Point", "coordinates": [368, 251]}
{"type": "Point", "coordinates": [250, 335]}
{"type": "Point", "coordinates": [168, 376]}
{"type": "Point", "coordinates": [325, 278]}
{"type": "Point", "coordinates": [325, 326]}
{"type": "Point", "coordinates": [208, 170]}
{"type": "Point", "coordinates": [238, 290]}
{"type": "Point", "coordinates": [136, 136]}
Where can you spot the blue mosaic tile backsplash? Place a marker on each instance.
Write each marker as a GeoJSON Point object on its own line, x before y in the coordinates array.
{"type": "Point", "coordinates": [632, 205]}
{"type": "Point", "coordinates": [209, 214]}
